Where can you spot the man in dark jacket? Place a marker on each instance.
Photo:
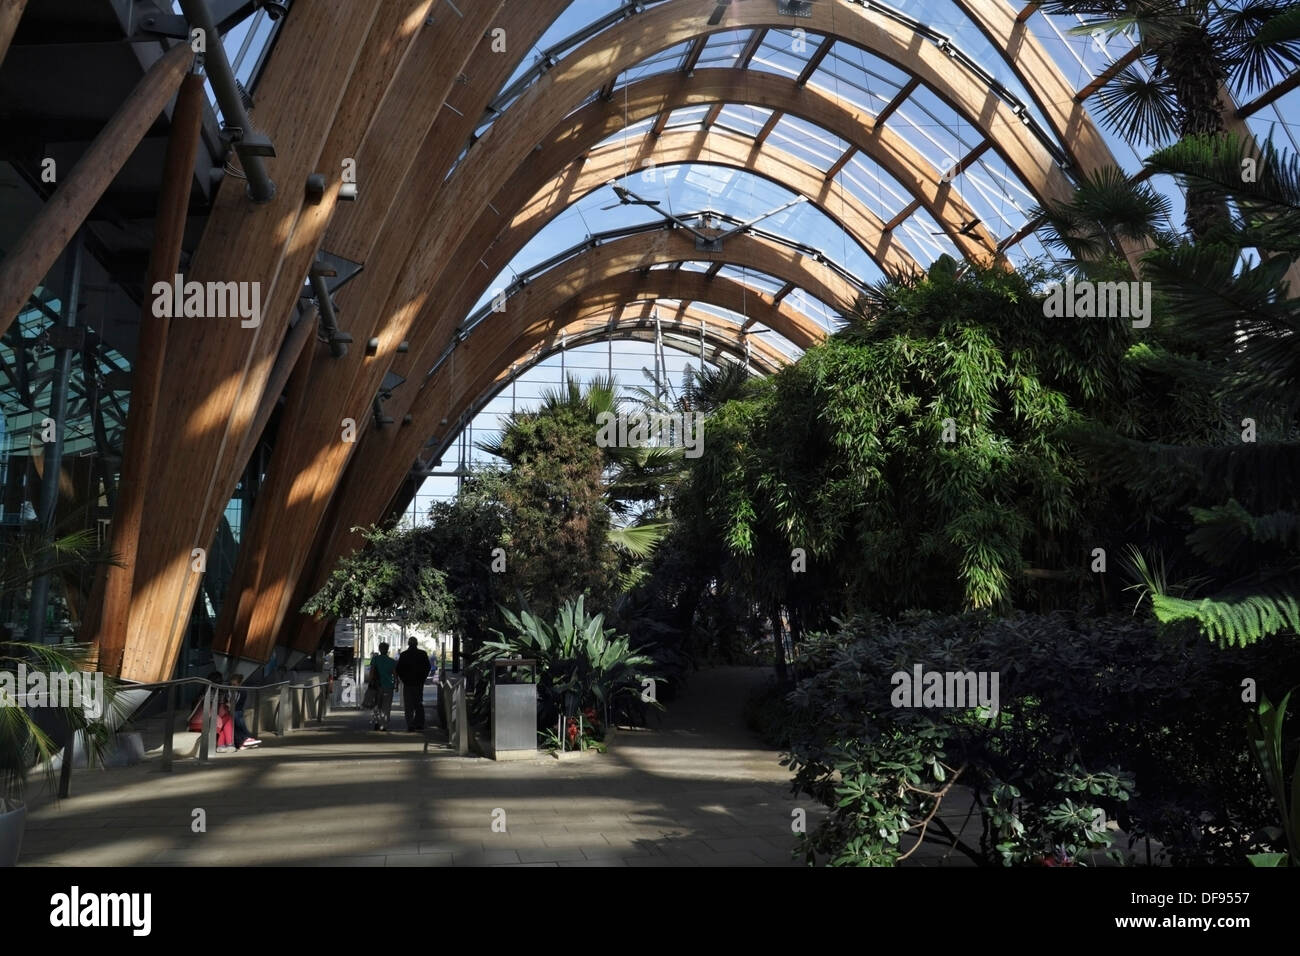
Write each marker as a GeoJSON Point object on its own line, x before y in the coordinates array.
{"type": "Point", "coordinates": [412, 669]}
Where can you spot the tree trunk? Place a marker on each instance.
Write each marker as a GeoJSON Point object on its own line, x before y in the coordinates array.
{"type": "Point", "coordinates": [782, 674]}
{"type": "Point", "coordinates": [1195, 70]}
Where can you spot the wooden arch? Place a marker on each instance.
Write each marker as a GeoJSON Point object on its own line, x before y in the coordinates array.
{"type": "Point", "coordinates": [591, 284]}
{"type": "Point", "coordinates": [218, 390]}
{"type": "Point", "coordinates": [500, 156]}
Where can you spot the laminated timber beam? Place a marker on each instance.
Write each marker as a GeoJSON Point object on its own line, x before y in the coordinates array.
{"type": "Point", "coordinates": [507, 153]}
{"type": "Point", "coordinates": [11, 11]}
{"type": "Point", "coordinates": [387, 453]}
{"type": "Point", "coordinates": [492, 240]}
{"type": "Point", "coordinates": [1056, 98]}
{"type": "Point", "coordinates": [490, 182]}
{"type": "Point", "coordinates": [404, 142]}
{"type": "Point", "coordinates": [503, 154]}
{"type": "Point", "coordinates": [486, 242]}
{"type": "Point", "coordinates": [715, 148]}
{"type": "Point", "coordinates": [553, 290]}
{"type": "Point", "coordinates": [26, 263]}
{"type": "Point", "coordinates": [1040, 75]}
{"type": "Point", "coordinates": [456, 63]}
{"type": "Point", "coordinates": [105, 624]}
{"type": "Point", "coordinates": [623, 321]}
{"type": "Point", "coordinates": [591, 315]}
{"type": "Point", "coordinates": [493, 347]}
{"type": "Point", "coordinates": [217, 370]}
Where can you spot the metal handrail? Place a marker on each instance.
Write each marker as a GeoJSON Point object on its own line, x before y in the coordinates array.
{"type": "Point", "coordinates": [289, 716]}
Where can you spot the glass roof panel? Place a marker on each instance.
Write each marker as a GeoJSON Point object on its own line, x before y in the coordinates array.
{"type": "Point", "coordinates": [723, 49]}
{"type": "Point", "coordinates": [863, 81]}
{"type": "Point", "coordinates": [740, 118]}
{"type": "Point", "coordinates": [865, 179]}
{"type": "Point", "coordinates": [782, 52]}
{"type": "Point", "coordinates": [815, 146]}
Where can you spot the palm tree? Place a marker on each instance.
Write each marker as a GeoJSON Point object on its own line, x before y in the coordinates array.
{"type": "Point", "coordinates": [24, 743]}
{"type": "Point", "coordinates": [1231, 333]}
{"type": "Point", "coordinates": [1188, 49]}
{"type": "Point", "coordinates": [635, 477]}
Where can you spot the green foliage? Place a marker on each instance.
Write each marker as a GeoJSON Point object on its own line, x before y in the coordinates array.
{"type": "Point", "coordinates": [395, 574]}
{"type": "Point", "coordinates": [844, 453]}
{"type": "Point", "coordinates": [24, 742]}
{"type": "Point", "coordinates": [1206, 462]}
{"type": "Point", "coordinates": [1096, 716]}
{"type": "Point", "coordinates": [582, 664]}
{"type": "Point", "coordinates": [1268, 745]}
{"type": "Point", "coordinates": [1241, 620]}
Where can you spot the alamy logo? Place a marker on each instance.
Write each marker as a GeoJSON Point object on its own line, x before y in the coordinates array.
{"type": "Point", "coordinates": [83, 690]}
{"type": "Point", "coordinates": [1088, 300]}
{"type": "Point", "coordinates": [924, 688]}
{"type": "Point", "coordinates": [209, 300]}
{"type": "Point", "coordinates": [644, 429]}
{"type": "Point", "coordinates": [75, 909]}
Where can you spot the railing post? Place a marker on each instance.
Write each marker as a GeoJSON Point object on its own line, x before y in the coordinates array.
{"type": "Point", "coordinates": [70, 755]}
{"type": "Point", "coordinates": [458, 731]}
{"type": "Point", "coordinates": [257, 711]}
{"type": "Point", "coordinates": [168, 745]}
{"type": "Point", "coordinates": [282, 717]}
{"type": "Point", "coordinates": [207, 736]}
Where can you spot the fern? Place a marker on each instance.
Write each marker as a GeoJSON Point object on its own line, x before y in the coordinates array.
{"type": "Point", "coordinates": [1234, 621]}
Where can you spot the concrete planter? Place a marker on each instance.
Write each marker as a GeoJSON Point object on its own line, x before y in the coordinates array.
{"type": "Point", "coordinates": [13, 820]}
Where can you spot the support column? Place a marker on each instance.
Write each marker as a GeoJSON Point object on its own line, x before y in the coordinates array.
{"type": "Point", "coordinates": [53, 451]}
{"type": "Point", "coordinates": [164, 263]}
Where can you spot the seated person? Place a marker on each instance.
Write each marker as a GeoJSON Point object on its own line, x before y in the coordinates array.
{"type": "Point", "coordinates": [243, 736]}
{"type": "Point", "coordinates": [225, 722]}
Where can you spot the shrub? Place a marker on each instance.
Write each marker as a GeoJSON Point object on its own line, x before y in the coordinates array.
{"type": "Point", "coordinates": [1097, 716]}
{"type": "Point", "coordinates": [581, 663]}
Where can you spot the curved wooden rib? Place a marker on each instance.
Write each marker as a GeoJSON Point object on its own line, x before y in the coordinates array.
{"type": "Point", "coordinates": [614, 273]}
{"type": "Point", "coordinates": [491, 241]}
{"type": "Point", "coordinates": [401, 166]}
{"type": "Point", "coordinates": [404, 140]}
{"type": "Point", "coordinates": [505, 151]}
{"type": "Point", "coordinates": [500, 340]}
{"type": "Point", "coordinates": [216, 372]}
{"type": "Point", "coordinates": [714, 147]}
{"type": "Point", "coordinates": [684, 322]}
{"type": "Point", "coordinates": [592, 318]}
{"type": "Point", "coordinates": [537, 188]}
{"type": "Point", "coordinates": [1041, 76]}
{"type": "Point", "coordinates": [644, 250]}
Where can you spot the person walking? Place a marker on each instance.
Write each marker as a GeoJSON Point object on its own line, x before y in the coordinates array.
{"type": "Point", "coordinates": [413, 669]}
{"type": "Point", "coordinates": [383, 674]}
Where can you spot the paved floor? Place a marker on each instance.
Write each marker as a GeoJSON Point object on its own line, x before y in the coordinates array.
{"type": "Point", "coordinates": [700, 790]}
